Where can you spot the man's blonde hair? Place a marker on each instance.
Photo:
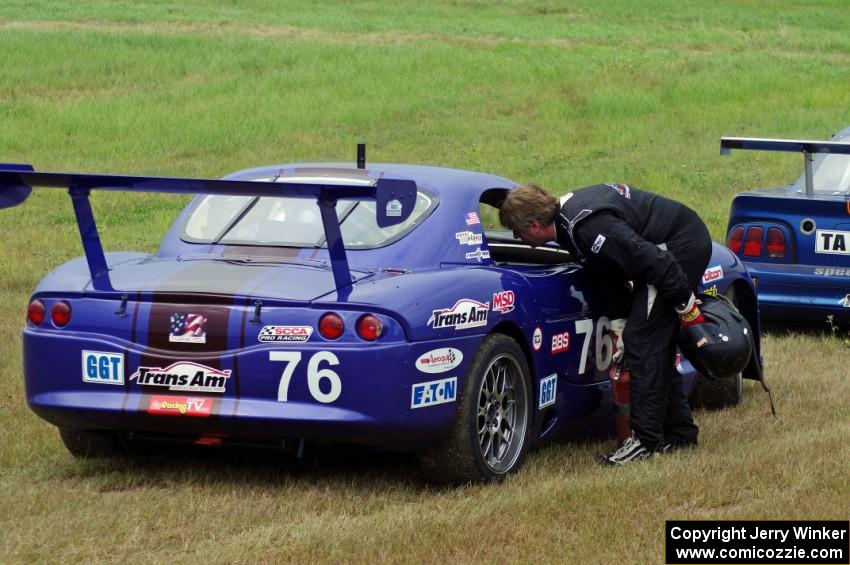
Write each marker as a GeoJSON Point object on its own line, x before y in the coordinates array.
{"type": "Point", "coordinates": [526, 203]}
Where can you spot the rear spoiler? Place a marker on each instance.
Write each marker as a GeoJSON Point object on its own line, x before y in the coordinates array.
{"type": "Point", "coordinates": [807, 148]}
{"type": "Point", "coordinates": [395, 199]}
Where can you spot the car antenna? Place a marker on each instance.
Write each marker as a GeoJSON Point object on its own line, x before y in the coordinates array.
{"type": "Point", "coordinates": [361, 155]}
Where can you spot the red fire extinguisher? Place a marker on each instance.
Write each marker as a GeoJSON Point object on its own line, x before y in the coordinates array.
{"type": "Point", "coordinates": [622, 396]}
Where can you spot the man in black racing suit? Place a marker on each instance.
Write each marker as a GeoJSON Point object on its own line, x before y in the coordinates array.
{"type": "Point", "coordinates": [663, 248]}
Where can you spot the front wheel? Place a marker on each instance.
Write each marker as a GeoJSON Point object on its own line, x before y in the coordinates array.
{"type": "Point", "coordinates": [492, 427]}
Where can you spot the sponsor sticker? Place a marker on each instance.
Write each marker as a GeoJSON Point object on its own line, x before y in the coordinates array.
{"type": "Point", "coordinates": [285, 333]}
{"type": "Point", "coordinates": [622, 189]}
{"type": "Point", "coordinates": [465, 314]}
{"type": "Point", "coordinates": [548, 389]}
{"type": "Point", "coordinates": [394, 208]}
{"type": "Point", "coordinates": [479, 254]}
{"type": "Point", "coordinates": [504, 301]}
{"type": "Point", "coordinates": [469, 238]}
{"type": "Point", "coordinates": [537, 339]}
{"type": "Point", "coordinates": [712, 274]}
{"type": "Point", "coordinates": [433, 393]}
{"type": "Point", "coordinates": [184, 376]}
{"type": "Point", "coordinates": [188, 328]}
{"type": "Point", "coordinates": [472, 219]}
{"type": "Point", "coordinates": [439, 360]}
{"type": "Point", "coordinates": [181, 406]}
{"type": "Point", "coordinates": [845, 302]}
{"type": "Point", "coordinates": [832, 272]}
{"type": "Point", "coordinates": [103, 368]}
{"type": "Point", "coordinates": [832, 242]}
{"type": "Point", "coordinates": [711, 291]}
{"type": "Point", "coordinates": [598, 243]}
{"type": "Point", "coordinates": [560, 342]}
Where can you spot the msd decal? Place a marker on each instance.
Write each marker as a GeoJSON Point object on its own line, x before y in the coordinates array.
{"type": "Point", "coordinates": [504, 301]}
{"type": "Point", "coordinates": [183, 376]}
{"type": "Point", "coordinates": [181, 406]}
{"type": "Point", "coordinates": [537, 339]}
{"type": "Point", "coordinates": [548, 389]}
{"type": "Point", "coordinates": [285, 333]}
{"type": "Point", "coordinates": [711, 274]}
{"type": "Point", "coordinates": [433, 393]}
{"type": "Point", "coordinates": [560, 342]}
{"type": "Point", "coordinates": [439, 360]}
{"type": "Point", "coordinates": [469, 238]}
{"type": "Point", "coordinates": [188, 328]}
{"type": "Point", "coordinates": [465, 314]}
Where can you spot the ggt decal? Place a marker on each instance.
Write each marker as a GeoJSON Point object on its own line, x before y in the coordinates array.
{"type": "Point", "coordinates": [548, 389]}
{"type": "Point", "coordinates": [103, 368]}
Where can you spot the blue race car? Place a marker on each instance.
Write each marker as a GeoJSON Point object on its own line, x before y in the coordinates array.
{"type": "Point", "coordinates": [795, 240]}
{"type": "Point", "coordinates": [328, 303]}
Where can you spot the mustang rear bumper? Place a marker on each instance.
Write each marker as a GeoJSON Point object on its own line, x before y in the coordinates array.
{"type": "Point", "coordinates": [802, 292]}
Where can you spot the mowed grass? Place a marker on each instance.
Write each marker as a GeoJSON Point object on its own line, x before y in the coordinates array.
{"type": "Point", "coordinates": [561, 95]}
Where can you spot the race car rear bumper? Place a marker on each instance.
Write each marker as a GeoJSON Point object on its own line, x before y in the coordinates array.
{"type": "Point", "coordinates": [802, 292]}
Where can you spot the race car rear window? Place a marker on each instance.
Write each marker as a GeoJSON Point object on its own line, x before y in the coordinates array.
{"type": "Point", "coordinates": [293, 222]}
{"type": "Point", "coordinates": [830, 175]}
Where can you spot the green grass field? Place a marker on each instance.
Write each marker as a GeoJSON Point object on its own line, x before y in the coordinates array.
{"type": "Point", "coordinates": [562, 94]}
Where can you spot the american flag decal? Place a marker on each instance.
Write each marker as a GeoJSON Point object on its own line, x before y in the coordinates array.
{"type": "Point", "coordinates": [188, 328]}
{"type": "Point", "coordinates": [472, 219]}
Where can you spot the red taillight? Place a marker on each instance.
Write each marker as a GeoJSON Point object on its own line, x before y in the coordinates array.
{"type": "Point", "coordinates": [752, 245]}
{"type": "Point", "coordinates": [734, 241]}
{"type": "Point", "coordinates": [775, 243]}
{"type": "Point", "coordinates": [331, 326]}
{"type": "Point", "coordinates": [369, 327]}
{"type": "Point", "coordinates": [36, 312]}
{"type": "Point", "coordinates": [60, 314]}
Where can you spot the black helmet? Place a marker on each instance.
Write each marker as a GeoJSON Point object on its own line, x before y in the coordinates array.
{"type": "Point", "coordinates": [720, 347]}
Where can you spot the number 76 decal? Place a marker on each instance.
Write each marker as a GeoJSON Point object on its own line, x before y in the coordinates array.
{"type": "Point", "coordinates": [604, 344]}
{"type": "Point", "coordinates": [314, 374]}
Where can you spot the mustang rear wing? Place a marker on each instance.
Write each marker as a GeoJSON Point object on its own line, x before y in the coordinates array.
{"type": "Point", "coordinates": [807, 148]}
{"type": "Point", "coordinates": [395, 199]}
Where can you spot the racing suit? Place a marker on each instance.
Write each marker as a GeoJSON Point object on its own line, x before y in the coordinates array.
{"type": "Point", "coordinates": [663, 247]}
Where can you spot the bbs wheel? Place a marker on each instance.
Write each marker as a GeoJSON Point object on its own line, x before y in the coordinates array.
{"type": "Point", "coordinates": [716, 394]}
{"type": "Point", "coordinates": [90, 444]}
{"type": "Point", "coordinates": [492, 427]}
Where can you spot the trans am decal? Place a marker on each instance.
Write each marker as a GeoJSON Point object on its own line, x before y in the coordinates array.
{"type": "Point", "coordinates": [183, 376]}
{"type": "Point", "coordinates": [469, 238]}
{"type": "Point", "coordinates": [103, 368]}
{"type": "Point", "coordinates": [181, 406]}
{"type": "Point", "coordinates": [504, 301]}
{"type": "Point", "coordinates": [285, 333]}
{"type": "Point", "coordinates": [439, 360]}
{"type": "Point", "coordinates": [433, 393]}
{"type": "Point", "coordinates": [188, 328]}
{"type": "Point", "coordinates": [465, 314]}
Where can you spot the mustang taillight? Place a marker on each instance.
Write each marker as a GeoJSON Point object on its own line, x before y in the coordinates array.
{"type": "Point", "coordinates": [369, 327]}
{"type": "Point", "coordinates": [775, 243]}
{"type": "Point", "coordinates": [60, 314]}
{"type": "Point", "coordinates": [36, 312]}
{"type": "Point", "coordinates": [752, 244]}
{"type": "Point", "coordinates": [734, 241]}
{"type": "Point", "coordinates": [331, 326]}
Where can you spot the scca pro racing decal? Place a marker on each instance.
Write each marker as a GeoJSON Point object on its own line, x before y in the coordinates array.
{"type": "Point", "coordinates": [439, 360]}
{"type": "Point", "coordinates": [433, 393]}
{"type": "Point", "coordinates": [285, 333]}
{"type": "Point", "coordinates": [181, 406]}
{"type": "Point", "coordinates": [504, 301]}
{"type": "Point", "coordinates": [465, 314]}
{"type": "Point", "coordinates": [712, 274]}
{"type": "Point", "coordinates": [187, 328]}
{"type": "Point", "coordinates": [183, 376]}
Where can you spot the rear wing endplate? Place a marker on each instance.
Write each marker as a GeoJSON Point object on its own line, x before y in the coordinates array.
{"type": "Point", "coordinates": [807, 148]}
{"type": "Point", "coordinates": [395, 199]}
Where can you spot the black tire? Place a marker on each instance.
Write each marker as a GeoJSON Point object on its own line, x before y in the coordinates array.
{"type": "Point", "coordinates": [90, 444]}
{"type": "Point", "coordinates": [492, 428]}
{"type": "Point", "coordinates": [718, 394]}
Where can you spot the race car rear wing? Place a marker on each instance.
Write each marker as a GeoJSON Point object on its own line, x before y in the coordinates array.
{"type": "Point", "coordinates": [395, 199]}
{"type": "Point", "coordinates": [807, 148]}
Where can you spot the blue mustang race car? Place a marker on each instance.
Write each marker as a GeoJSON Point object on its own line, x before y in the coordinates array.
{"type": "Point", "coordinates": [327, 303]}
{"type": "Point", "coordinates": [795, 240]}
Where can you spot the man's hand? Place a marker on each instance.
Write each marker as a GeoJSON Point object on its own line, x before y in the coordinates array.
{"type": "Point", "coordinates": [616, 328]}
{"type": "Point", "coordinates": [689, 313]}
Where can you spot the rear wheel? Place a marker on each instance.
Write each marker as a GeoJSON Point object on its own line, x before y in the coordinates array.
{"type": "Point", "coordinates": [716, 394]}
{"type": "Point", "coordinates": [90, 444]}
{"type": "Point", "coordinates": [492, 427]}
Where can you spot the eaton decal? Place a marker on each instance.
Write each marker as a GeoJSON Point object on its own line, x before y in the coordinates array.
{"type": "Point", "coordinates": [439, 360]}
{"type": "Point", "coordinates": [103, 368]}
{"type": "Point", "coordinates": [504, 301]}
{"type": "Point", "coordinates": [712, 274]}
{"type": "Point", "coordinates": [187, 328]}
{"type": "Point", "coordinates": [433, 393]}
{"type": "Point", "coordinates": [465, 314]}
{"type": "Point", "coordinates": [548, 390]}
{"type": "Point", "coordinates": [560, 342]}
{"type": "Point", "coordinates": [469, 238]}
{"type": "Point", "coordinates": [181, 406]}
{"type": "Point", "coordinates": [285, 333]}
{"type": "Point", "coordinates": [183, 376]}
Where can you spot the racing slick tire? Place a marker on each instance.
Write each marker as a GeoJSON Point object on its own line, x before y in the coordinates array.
{"type": "Point", "coordinates": [86, 445]}
{"type": "Point", "coordinates": [716, 394]}
{"type": "Point", "coordinates": [492, 428]}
